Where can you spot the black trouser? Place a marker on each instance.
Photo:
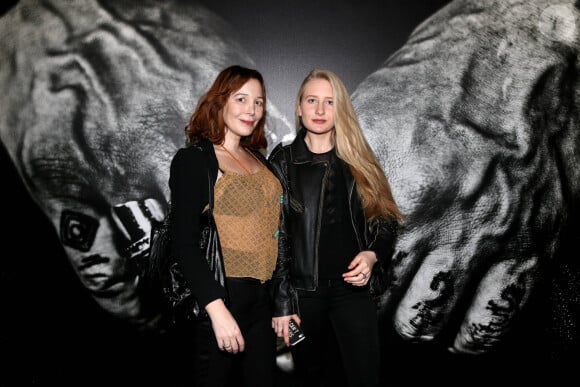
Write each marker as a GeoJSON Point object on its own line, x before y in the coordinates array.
{"type": "Point", "coordinates": [249, 303]}
{"type": "Point", "coordinates": [350, 313]}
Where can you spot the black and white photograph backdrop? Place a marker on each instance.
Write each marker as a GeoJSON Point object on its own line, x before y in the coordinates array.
{"type": "Point", "coordinates": [472, 108]}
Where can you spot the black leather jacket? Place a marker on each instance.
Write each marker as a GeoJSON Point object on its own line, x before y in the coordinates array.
{"type": "Point", "coordinates": [304, 183]}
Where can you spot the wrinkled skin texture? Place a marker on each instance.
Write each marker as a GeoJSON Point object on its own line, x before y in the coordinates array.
{"type": "Point", "coordinates": [475, 120]}
{"type": "Point", "coordinates": [95, 96]}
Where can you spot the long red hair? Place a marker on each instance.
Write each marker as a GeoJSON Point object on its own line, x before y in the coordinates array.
{"type": "Point", "coordinates": [207, 120]}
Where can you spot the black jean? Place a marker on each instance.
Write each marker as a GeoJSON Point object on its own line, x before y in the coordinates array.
{"type": "Point", "coordinates": [349, 313]}
{"type": "Point", "coordinates": [249, 303]}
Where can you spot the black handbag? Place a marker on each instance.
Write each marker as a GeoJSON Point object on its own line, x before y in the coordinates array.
{"type": "Point", "coordinates": [165, 271]}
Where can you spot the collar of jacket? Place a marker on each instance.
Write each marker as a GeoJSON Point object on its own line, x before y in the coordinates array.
{"type": "Point", "coordinates": [206, 147]}
{"type": "Point", "coordinates": [299, 150]}
{"type": "Point", "coordinates": [300, 154]}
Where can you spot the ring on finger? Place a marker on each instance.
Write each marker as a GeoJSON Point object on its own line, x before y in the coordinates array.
{"type": "Point", "coordinates": [364, 275]}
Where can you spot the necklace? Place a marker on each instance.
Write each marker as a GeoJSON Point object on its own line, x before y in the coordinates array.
{"type": "Point", "coordinates": [236, 159]}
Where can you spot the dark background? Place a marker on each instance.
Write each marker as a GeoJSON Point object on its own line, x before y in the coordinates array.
{"type": "Point", "coordinates": [51, 330]}
{"type": "Point", "coordinates": [289, 38]}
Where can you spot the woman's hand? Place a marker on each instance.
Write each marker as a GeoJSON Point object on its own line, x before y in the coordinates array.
{"type": "Point", "coordinates": [360, 268]}
{"type": "Point", "coordinates": [280, 326]}
{"type": "Point", "coordinates": [227, 332]}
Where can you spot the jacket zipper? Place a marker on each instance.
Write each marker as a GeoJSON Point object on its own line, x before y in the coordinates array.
{"type": "Point", "coordinates": [318, 225]}
{"type": "Point", "coordinates": [350, 210]}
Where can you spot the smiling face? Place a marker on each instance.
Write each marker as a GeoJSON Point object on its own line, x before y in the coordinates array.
{"type": "Point", "coordinates": [316, 107]}
{"type": "Point", "coordinates": [244, 109]}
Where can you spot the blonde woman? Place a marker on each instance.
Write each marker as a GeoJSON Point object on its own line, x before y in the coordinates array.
{"type": "Point", "coordinates": [339, 225]}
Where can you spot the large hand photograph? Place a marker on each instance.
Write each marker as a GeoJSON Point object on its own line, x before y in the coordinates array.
{"type": "Point", "coordinates": [471, 109]}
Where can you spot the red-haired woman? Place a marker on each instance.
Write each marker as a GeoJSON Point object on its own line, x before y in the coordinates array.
{"type": "Point", "coordinates": [225, 136]}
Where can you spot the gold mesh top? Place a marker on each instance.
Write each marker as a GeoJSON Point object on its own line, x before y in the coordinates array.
{"type": "Point", "coordinates": [247, 216]}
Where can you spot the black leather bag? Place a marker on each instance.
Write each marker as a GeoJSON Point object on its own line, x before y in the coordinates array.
{"type": "Point", "coordinates": [165, 270]}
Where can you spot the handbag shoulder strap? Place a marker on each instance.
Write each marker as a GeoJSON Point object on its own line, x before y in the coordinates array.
{"type": "Point", "coordinates": [211, 160]}
{"type": "Point", "coordinates": [210, 189]}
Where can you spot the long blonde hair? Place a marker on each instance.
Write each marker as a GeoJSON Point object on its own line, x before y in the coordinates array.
{"type": "Point", "coordinates": [352, 147]}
